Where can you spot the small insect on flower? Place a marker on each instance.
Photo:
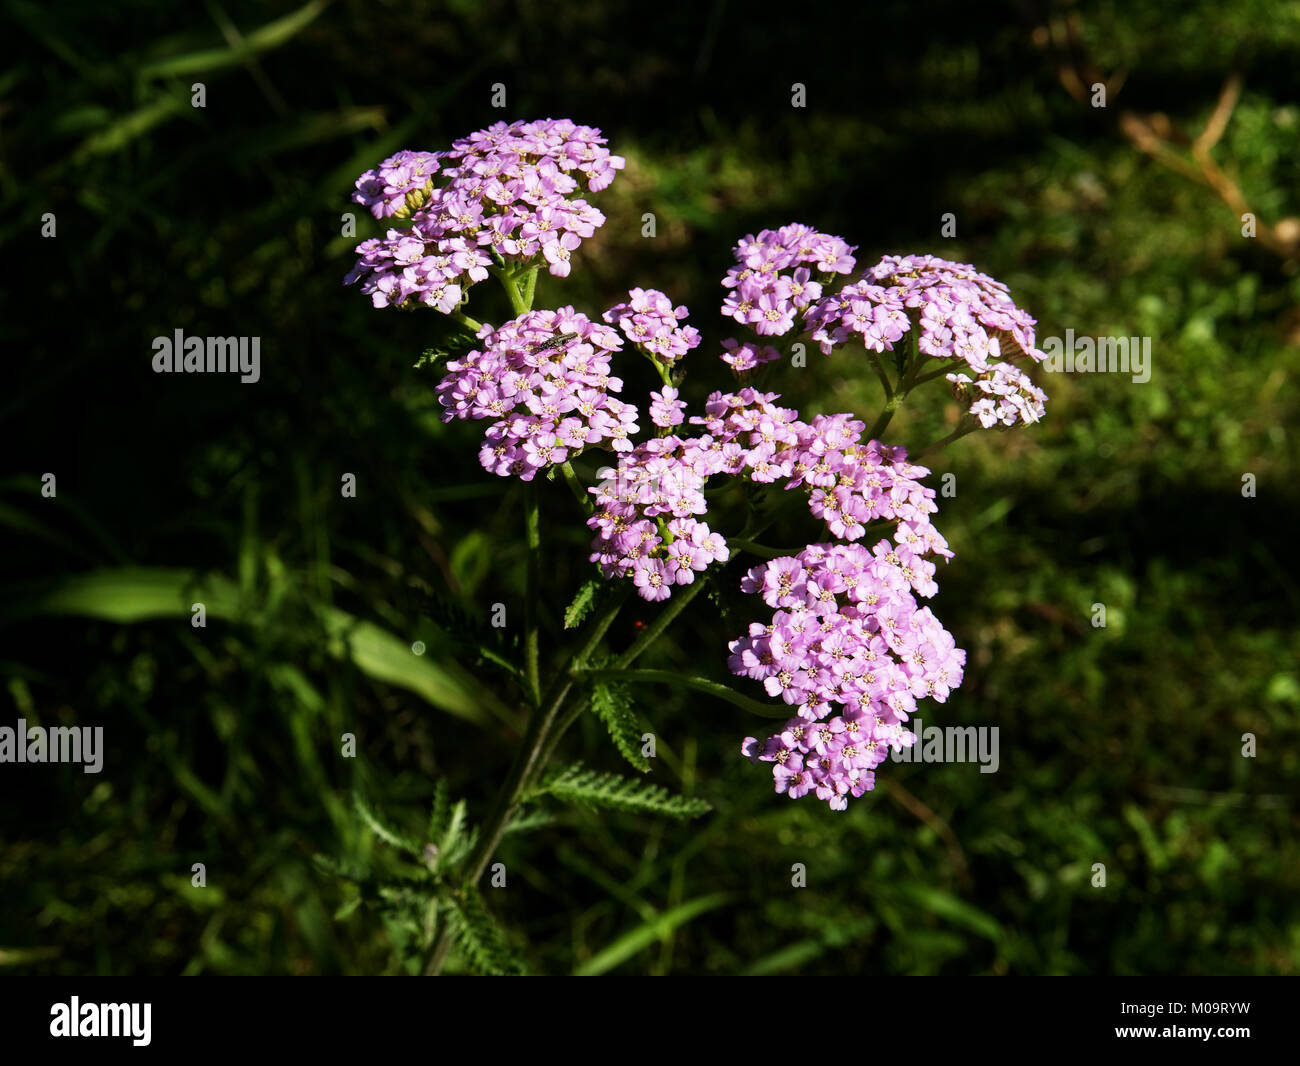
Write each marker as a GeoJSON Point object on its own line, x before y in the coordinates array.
{"type": "Point", "coordinates": [557, 342]}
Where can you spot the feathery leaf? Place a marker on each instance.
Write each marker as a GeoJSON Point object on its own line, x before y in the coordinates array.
{"type": "Point", "coordinates": [574, 784]}
{"type": "Point", "coordinates": [611, 703]}
{"type": "Point", "coordinates": [480, 938]}
{"type": "Point", "coordinates": [582, 604]}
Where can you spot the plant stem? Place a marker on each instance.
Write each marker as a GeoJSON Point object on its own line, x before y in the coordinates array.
{"type": "Point", "coordinates": [533, 531]}
{"type": "Point", "coordinates": [968, 426]}
{"type": "Point", "coordinates": [543, 733]}
{"type": "Point", "coordinates": [763, 551]}
{"type": "Point", "coordinates": [524, 768]}
{"type": "Point", "coordinates": [676, 606]}
{"type": "Point", "coordinates": [517, 302]}
{"type": "Point", "coordinates": [655, 629]}
{"type": "Point", "coordinates": [906, 382]}
{"type": "Point", "coordinates": [465, 320]}
{"type": "Point", "coordinates": [633, 653]}
{"type": "Point", "coordinates": [575, 486]}
{"type": "Point", "coordinates": [665, 373]}
{"type": "Point", "coordinates": [880, 373]}
{"type": "Point", "coordinates": [943, 371]}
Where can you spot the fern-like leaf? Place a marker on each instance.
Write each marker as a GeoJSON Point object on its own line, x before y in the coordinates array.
{"type": "Point", "coordinates": [611, 703]}
{"type": "Point", "coordinates": [480, 938]}
{"type": "Point", "coordinates": [394, 837]}
{"type": "Point", "coordinates": [574, 784]}
{"type": "Point", "coordinates": [440, 810]}
{"type": "Point", "coordinates": [526, 823]}
{"type": "Point", "coordinates": [582, 604]}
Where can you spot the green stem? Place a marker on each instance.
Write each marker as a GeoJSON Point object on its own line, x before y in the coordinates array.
{"type": "Point", "coordinates": [465, 320]}
{"type": "Point", "coordinates": [560, 688]}
{"type": "Point", "coordinates": [543, 732]}
{"type": "Point", "coordinates": [731, 485]}
{"type": "Point", "coordinates": [943, 371]}
{"type": "Point", "coordinates": [543, 743]}
{"type": "Point", "coordinates": [532, 527]}
{"type": "Point", "coordinates": [527, 763]}
{"type": "Point", "coordinates": [655, 629]}
{"type": "Point", "coordinates": [957, 434]}
{"type": "Point", "coordinates": [761, 550]}
{"type": "Point", "coordinates": [906, 382]}
{"type": "Point", "coordinates": [564, 683]}
{"type": "Point", "coordinates": [678, 603]}
{"type": "Point", "coordinates": [553, 740]}
{"type": "Point", "coordinates": [575, 486]}
{"type": "Point", "coordinates": [517, 302]}
{"type": "Point", "coordinates": [880, 373]}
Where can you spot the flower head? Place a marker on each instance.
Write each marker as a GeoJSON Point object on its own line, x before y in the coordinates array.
{"type": "Point", "coordinates": [510, 191]}
{"type": "Point", "coordinates": [666, 410]}
{"type": "Point", "coordinates": [544, 381]}
{"type": "Point", "coordinates": [650, 321]}
{"type": "Point", "coordinates": [848, 648]}
{"type": "Point", "coordinates": [958, 314]}
{"type": "Point", "coordinates": [779, 274]}
{"type": "Point", "coordinates": [745, 357]}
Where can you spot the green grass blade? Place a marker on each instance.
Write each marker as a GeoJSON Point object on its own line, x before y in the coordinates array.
{"type": "Point", "coordinates": [272, 35]}
{"type": "Point", "coordinates": [648, 932]}
{"type": "Point", "coordinates": [139, 594]}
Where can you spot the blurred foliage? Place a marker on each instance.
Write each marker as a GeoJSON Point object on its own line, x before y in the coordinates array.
{"type": "Point", "coordinates": [1118, 745]}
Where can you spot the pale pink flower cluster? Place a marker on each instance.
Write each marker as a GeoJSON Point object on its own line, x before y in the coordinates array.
{"type": "Point", "coordinates": [1003, 395]}
{"type": "Point", "coordinates": [544, 380]}
{"type": "Point", "coordinates": [848, 647]}
{"type": "Point", "coordinates": [779, 273]}
{"type": "Point", "coordinates": [743, 357]}
{"type": "Point", "coordinates": [849, 485]}
{"type": "Point", "coordinates": [666, 410]}
{"type": "Point", "coordinates": [645, 515]}
{"type": "Point", "coordinates": [650, 321]}
{"type": "Point", "coordinates": [507, 191]}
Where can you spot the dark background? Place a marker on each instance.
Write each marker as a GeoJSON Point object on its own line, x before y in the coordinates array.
{"type": "Point", "coordinates": [1119, 745]}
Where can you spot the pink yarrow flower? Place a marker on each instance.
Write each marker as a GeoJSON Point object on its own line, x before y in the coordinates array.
{"type": "Point", "coordinates": [509, 190]}
{"type": "Point", "coordinates": [544, 382]}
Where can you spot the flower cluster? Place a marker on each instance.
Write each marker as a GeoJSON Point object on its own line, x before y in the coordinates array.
{"type": "Point", "coordinates": [1003, 396]}
{"type": "Point", "coordinates": [849, 484]}
{"type": "Point", "coordinates": [666, 410]}
{"type": "Point", "coordinates": [399, 185]}
{"type": "Point", "coordinates": [773, 279]}
{"type": "Point", "coordinates": [644, 517]}
{"type": "Point", "coordinates": [649, 320]}
{"type": "Point", "coordinates": [399, 268]}
{"type": "Point", "coordinates": [849, 648]}
{"type": "Point", "coordinates": [545, 381]}
{"type": "Point", "coordinates": [962, 313]}
{"type": "Point", "coordinates": [507, 191]}
{"type": "Point", "coordinates": [742, 357]}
